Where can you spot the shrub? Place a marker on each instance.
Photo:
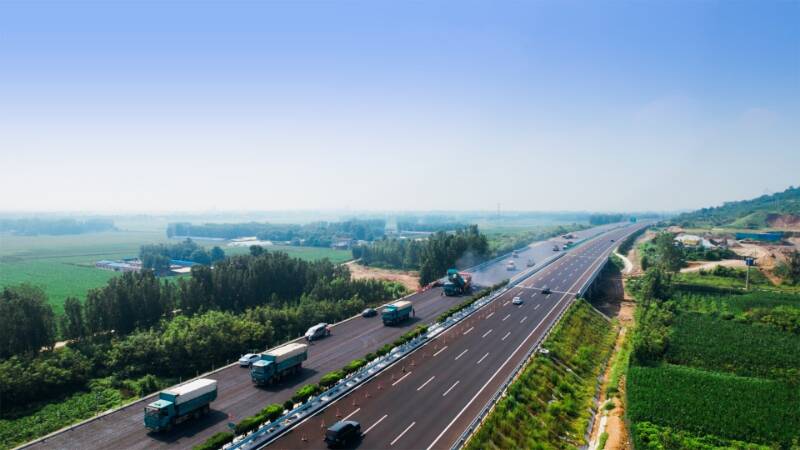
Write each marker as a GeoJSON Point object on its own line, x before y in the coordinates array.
{"type": "Point", "coordinates": [330, 378]}
{"type": "Point", "coordinates": [305, 392]}
{"type": "Point", "coordinates": [354, 365]}
{"type": "Point", "coordinates": [216, 441]}
{"type": "Point", "coordinates": [288, 405]}
{"type": "Point", "coordinates": [272, 412]}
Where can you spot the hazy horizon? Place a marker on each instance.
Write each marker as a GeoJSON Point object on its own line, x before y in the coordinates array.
{"type": "Point", "coordinates": [126, 107]}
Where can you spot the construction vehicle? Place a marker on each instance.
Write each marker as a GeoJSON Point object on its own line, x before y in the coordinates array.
{"type": "Point", "coordinates": [278, 362]}
{"type": "Point", "coordinates": [180, 403]}
{"type": "Point", "coordinates": [458, 283]}
{"type": "Point", "coordinates": [396, 312]}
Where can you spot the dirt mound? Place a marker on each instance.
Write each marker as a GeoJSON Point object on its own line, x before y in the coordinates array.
{"type": "Point", "coordinates": [784, 221]}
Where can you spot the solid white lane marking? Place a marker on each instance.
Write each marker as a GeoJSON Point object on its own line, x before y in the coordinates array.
{"type": "Point", "coordinates": [490, 314]}
{"type": "Point", "coordinates": [506, 317]}
{"type": "Point", "coordinates": [401, 434]}
{"type": "Point", "coordinates": [451, 388]}
{"type": "Point", "coordinates": [401, 378]}
{"type": "Point", "coordinates": [426, 383]}
{"type": "Point", "coordinates": [461, 354]}
{"type": "Point", "coordinates": [486, 334]}
{"type": "Point", "coordinates": [504, 337]}
{"type": "Point", "coordinates": [470, 329]}
{"type": "Point", "coordinates": [375, 424]}
{"type": "Point", "coordinates": [482, 358]}
{"type": "Point", "coordinates": [440, 351]}
{"type": "Point", "coordinates": [351, 414]}
{"type": "Point", "coordinates": [523, 319]}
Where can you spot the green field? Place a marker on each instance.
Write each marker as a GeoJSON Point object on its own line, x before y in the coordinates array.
{"type": "Point", "coordinates": [749, 409]}
{"type": "Point", "coordinates": [63, 266]}
{"type": "Point", "coordinates": [745, 349]}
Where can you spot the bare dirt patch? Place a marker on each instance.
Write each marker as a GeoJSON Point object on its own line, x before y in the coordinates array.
{"type": "Point", "coordinates": [696, 266]}
{"type": "Point", "coordinates": [788, 222]}
{"type": "Point", "coordinates": [408, 279]}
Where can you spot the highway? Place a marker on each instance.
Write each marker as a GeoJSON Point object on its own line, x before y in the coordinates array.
{"type": "Point", "coordinates": [238, 398]}
{"type": "Point", "coordinates": [429, 398]}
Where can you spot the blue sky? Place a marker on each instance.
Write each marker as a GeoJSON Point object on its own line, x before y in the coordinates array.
{"type": "Point", "coordinates": [132, 106]}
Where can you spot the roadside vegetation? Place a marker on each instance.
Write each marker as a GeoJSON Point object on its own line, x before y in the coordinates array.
{"type": "Point", "coordinates": [138, 326]}
{"type": "Point", "coordinates": [432, 256]}
{"type": "Point", "coordinates": [548, 406]}
{"type": "Point", "coordinates": [440, 251]}
{"type": "Point", "coordinates": [712, 365]}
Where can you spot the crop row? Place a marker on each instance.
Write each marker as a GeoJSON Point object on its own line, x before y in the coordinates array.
{"type": "Point", "coordinates": [748, 409]}
{"type": "Point", "coordinates": [730, 346]}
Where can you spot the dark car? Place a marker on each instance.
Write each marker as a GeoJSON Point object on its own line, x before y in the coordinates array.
{"type": "Point", "coordinates": [342, 432]}
{"type": "Point", "coordinates": [546, 291]}
{"type": "Point", "coordinates": [369, 312]}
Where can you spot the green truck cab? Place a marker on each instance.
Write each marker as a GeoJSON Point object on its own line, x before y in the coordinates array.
{"type": "Point", "coordinates": [279, 362]}
{"type": "Point", "coordinates": [180, 403]}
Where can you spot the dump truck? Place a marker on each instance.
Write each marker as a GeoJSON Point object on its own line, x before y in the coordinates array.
{"type": "Point", "coordinates": [278, 363]}
{"type": "Point", "coordinates": [396, 312]}
{"type": "Point", "coordinates": [458, 283]}
{"type": "Point", "coordinates": [180, 403]}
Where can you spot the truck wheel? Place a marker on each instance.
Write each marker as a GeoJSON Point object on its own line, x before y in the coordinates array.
{"type": "Point", "coordinates": [206, 409]}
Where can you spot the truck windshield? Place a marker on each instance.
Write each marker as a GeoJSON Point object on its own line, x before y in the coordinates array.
{"type": "Point", "coordinates": [150, 411]}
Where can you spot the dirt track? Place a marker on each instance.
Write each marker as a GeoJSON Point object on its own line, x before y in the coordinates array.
{"type": "Point", "coordinates": [408, 279]}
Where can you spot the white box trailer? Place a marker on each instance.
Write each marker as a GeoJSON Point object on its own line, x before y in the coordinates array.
{"type": "Point", "coordinates": [287, 351]}
{"type": "Point", "coordinates": [191, 390]}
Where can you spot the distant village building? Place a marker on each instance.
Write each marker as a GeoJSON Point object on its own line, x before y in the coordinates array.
{"type": "Point", "coordinates": [119, 266]}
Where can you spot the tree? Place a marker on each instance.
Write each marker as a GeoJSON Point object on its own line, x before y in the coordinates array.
{"type": "Point", "coordinates": [27, 322]}
{"type": "Point", "coordinates": [72, 323]}
{"type": "Point", "coordinates": [256, 250]}
{"type": "Point", "coordinates": [670, 255]}
{"type": "Point", "coordinates": [217, 254]}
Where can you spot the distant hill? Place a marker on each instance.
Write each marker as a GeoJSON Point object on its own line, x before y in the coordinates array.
{"type": "Point", "coordinates": [779, 211]}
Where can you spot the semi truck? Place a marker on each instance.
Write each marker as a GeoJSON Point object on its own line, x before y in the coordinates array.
{"type": "Point", "coordinates": [278, 363]}
{"type": "Point", "coordinates": [458, 283]}
{"type": "Point", "coordinates": [180, 403]}
{"type": "Point", "coordinates": [396, 312]}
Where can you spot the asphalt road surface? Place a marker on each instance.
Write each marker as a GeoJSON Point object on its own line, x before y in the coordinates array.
{"type": "Point", "coordinates": [430, 397]}
{"type": "Point", "coordinates": [239, 398]}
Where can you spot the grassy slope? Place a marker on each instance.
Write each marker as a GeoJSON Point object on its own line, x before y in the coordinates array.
{"type": "Point", "coordinates": [548, 407]}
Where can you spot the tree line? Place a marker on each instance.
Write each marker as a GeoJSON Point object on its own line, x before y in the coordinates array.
{"type": "Point", "coordinates": [603, 219]}
{"type": "Point", "coordinates": [433, 256]}
{"type": "Point", "coordinates": [35, 226]}
{"type": "Point", "coordinates": [138, 324]}
{"type": "Point", "coordinates": [315, 234]}
{"type": "Point", "coordinates": [157, 256]}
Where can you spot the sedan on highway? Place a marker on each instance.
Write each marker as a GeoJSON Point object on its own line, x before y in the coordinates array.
{"type": "Point", "coordinates": [546, 291]}
{"type": "Point", "coordinates": [248, 359]}
{"type": "Point", "coordinates": [369, 312]}
{"type": "Point", "coordinates": [516, 301]}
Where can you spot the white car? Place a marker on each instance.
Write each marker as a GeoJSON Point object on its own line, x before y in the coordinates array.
{"type": "Point", "coordinates": [516, 301]}
{"type": "Point", "coordinates": [248, 359]}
